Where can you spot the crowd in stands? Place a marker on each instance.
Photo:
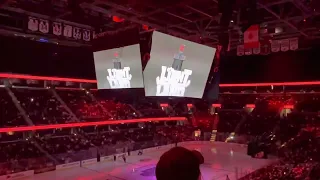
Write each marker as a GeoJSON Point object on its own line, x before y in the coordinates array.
{"type": "Point", "coordinates": [41, 106]}
{"type": "Point", "coordinates": [26, 154]}
{"type": "Point", "coordinates": [297, 149]}
{"type": "Point", "coordinates": [82, 105]}
{"type": "Point", "coordinates": [9, 114]}
{"type": "Point", "coordinates": [299, 159]}
{"type": "Point", "coordinates": [297, 139]}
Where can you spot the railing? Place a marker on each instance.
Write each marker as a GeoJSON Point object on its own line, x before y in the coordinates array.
{"type": "Point", "coordinates": [106, 153]}
{"type": "Point", "coordinates": [36, 164]}
{"type": "Point", "coordinates": [44, 164]}
{"type": "Point", "coordinates": [240, 139]}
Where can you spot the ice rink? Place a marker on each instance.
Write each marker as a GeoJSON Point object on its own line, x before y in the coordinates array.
{"type": "Point", "coordinates": [221, 159]}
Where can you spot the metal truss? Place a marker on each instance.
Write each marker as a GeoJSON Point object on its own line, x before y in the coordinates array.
{"type": "Point", "coordinates": [207, 31]}
{"type": "Point", "coordinates": [195, 21]}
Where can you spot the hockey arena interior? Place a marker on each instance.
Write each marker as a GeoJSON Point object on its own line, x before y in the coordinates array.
{"type": "Point", "coordinates": [159, 90]}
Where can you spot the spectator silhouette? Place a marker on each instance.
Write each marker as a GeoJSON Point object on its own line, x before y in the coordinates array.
{"type": "Point", "coordinates": [178, 164]}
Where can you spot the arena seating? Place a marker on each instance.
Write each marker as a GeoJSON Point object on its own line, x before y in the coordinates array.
{"type": "Point", "coordinates": [297, 148]}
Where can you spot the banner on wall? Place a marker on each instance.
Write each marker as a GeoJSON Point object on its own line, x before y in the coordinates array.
{"type": "Point", "coordinates": [294, 44]}
{"type": "Point", "coordinates": [240, 50]}
{"type": "Point", "coordinates": [266, 47]}
{"type": "Point", "coordinates": [251, 37]}
{"type": "Point", "coordinates": [86, 35]}
{"type": "Point", "coordinates": [33, 24]}
{"type": "Point", "coordinates": [285, 45]}
{"type": "Point", "coordinates": [76, 33]}
{"type": "Point", "coordinates": [248, 51]}
{"type": "Point", "coordinates": [67, 31]}
{"type": "Point", "coordinates": [57, 28]}
{"type": "Point", "coordinates": [275, 45]}
{"type": "Point", "coordinates": [44, 26]}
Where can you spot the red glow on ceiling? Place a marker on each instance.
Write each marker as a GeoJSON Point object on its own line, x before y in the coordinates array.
{"type": "Point", "coordinates": [85, 124]}
{"type": "Point", "coordinates": [45, 78]}
{"type": "Point", "coordinates": [216, 105]}
{"type": "Point", "coordinates": [117, 19]}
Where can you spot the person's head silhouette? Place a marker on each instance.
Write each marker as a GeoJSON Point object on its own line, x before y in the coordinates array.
{"type": "Point", "coordinates": [179, 164]}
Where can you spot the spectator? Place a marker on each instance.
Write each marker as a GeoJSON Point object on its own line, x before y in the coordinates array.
{"type": "Point", "coordinates": [178, 163]}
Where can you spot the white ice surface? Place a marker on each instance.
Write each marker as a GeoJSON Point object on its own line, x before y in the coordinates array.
{"type": "Point", "coordinates": [221, 159]}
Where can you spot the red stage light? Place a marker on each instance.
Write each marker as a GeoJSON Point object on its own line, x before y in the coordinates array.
{"type": "Point", "coordinates": [216, 105]}
{"type": "Point", "coordinates": [117, 19]}
{"type": "Point", "coordinates": [250, 106]}
{"type": "Point", "coordinates": [85, 124]}
{"type": "Point", "coordinates": [288, 106]}
{"type": "Point", "coordinates": [145, 27]}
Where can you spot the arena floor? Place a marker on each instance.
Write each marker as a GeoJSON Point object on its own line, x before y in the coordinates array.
{"type": "Point", "coordinates": [221, 159]}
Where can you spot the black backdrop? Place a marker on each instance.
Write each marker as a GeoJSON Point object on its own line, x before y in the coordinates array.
{"type": "Point", "coordinates": [278, 67]}
{"type": "Point", "coordinates": [29, 57]}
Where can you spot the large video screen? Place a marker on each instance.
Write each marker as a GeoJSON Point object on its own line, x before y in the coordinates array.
{"type": "Point", "coordinates": [119, 68]}
{"type": "Point", "coordinates": [177, 67]}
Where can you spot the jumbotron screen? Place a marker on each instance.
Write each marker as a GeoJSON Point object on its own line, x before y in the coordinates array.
{"type": "Point", "coordinates": [119, 68]}
{"type": "Point", "coordinates": [177, 67]}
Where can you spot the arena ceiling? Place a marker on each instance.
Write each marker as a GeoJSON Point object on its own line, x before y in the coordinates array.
{"type": "Point", "coordinates": [193, 20]}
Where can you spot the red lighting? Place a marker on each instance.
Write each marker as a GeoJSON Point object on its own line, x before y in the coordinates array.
{"type": "Point", "coordinates": [216, 105]}
{"type": "Point", "coordinates": [117, 19]}
{"type": "Point", "coordinates": [116, 54]}
{"type": "Point", "coordinates": [85, 124]}
{"type": "Point", "coordinates": [164, 105]}
{"type": "Point", "coordinates": [190, 105]}
{"type": "Point", "coordinates": [272, 84]}
{"type": "Point", "coordinates": [44, 78]}
{"type": "Point", "coordinates": [145, 27]}
{"type": "Point", "coordinates": [250, 106]}
{"type": "Point", "coordinates": [288, 106]}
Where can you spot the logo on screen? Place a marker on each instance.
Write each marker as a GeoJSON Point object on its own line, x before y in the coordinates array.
{"type": "Point", "coordinates": [172, 82]}
{"type": "Point", "coordinates": [119, 78]}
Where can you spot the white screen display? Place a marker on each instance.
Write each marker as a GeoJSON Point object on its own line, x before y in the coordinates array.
{"type": "Point", "coordinates": [177, 67]}
{"type": "Point", "coordinates": [119, 68]}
